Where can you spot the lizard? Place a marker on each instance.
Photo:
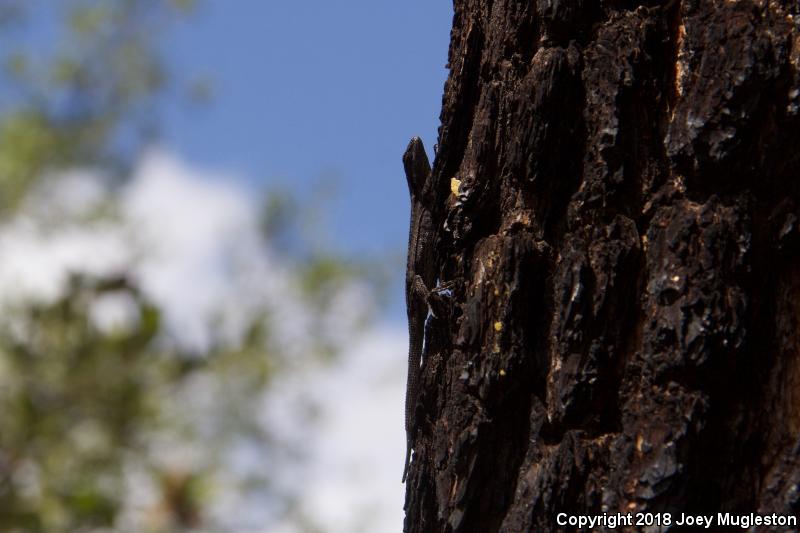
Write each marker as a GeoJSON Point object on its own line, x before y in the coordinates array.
{"type": "Point", "coordinates": [420, 274]}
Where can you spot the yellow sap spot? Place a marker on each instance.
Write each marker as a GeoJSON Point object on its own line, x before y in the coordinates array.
{"type": "Point", "coordinates": [502, 372]}
{"type": "Point", "coordinates": [455, 185]}
{"type": "Point", "coordinates": [496, 291]}
{"type": "Point", "coordinates": [498, 326]}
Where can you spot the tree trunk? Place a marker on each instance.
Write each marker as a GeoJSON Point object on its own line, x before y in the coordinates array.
{"type": "Point", "coordinates": [619, 207]}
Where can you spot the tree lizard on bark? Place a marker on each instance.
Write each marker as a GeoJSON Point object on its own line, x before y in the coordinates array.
{"type": "Point", "coordinates": [420, 275]}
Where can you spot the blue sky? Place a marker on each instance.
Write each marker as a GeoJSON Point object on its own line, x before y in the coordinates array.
{"type": "Point", "coordinates": [305, 90]}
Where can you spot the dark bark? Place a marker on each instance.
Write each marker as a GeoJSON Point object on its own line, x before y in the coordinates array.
{"type": "Point", "coordinates": [623, 332]}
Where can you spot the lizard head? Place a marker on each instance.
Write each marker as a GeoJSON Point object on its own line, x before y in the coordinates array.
{"type": "Point", "coordinates": [416, 166]}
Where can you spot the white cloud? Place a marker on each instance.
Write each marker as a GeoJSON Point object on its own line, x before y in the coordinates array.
{"type": "Point", "coordinates": [37, 261]}
{"type": "Point", "coordinates": [189, 238]}
{"type": "Point", "coordinates": [201, 257]}
{"type": "Point", "coordinates": [354, 458]}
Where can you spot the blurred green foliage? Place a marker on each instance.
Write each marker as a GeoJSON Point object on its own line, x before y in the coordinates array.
{"type": "Point", "coordinates": [82, 405]}
{"type": "Point", "coordinates": [84, 95]}
{"type": "Point", "coordinates": [85, 407]}
{"type": "Point", "coordinates": [73, 398]}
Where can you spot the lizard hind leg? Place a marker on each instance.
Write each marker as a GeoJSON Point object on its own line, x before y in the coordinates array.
{"type": "Point", "coordinates": [420, 289]}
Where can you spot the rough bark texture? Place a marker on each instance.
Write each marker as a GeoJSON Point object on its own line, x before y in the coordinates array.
{"type": "Point", "coordinates": [619, 205]}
